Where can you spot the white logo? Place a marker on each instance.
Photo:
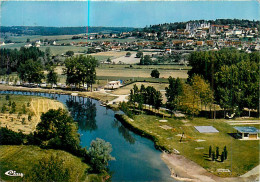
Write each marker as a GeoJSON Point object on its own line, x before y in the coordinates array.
{"type": "Point", "coordinates": [13, 173]}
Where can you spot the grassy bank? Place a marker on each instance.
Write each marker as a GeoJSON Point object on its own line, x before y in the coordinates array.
{"type": "Point", "coordinates": [22, 159]}
{"type": "Point", "coordinates": [242, 155]}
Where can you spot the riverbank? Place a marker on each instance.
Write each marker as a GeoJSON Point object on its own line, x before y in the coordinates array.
{"type": "Point", "coordinates": [192, 164]}
{"type": "Point", "coordinates": [183, 169]}
{"type": "Point", "coordinates": [97, 95]}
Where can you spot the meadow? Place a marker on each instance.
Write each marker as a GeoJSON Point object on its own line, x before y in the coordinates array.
{"type": "Point", "coordinates": [242, 155]}
{"type": "Point", "coordinates": [22, 159]}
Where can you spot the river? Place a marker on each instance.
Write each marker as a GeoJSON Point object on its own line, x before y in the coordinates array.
{"type": "Point", "coordinates": [136, 157]}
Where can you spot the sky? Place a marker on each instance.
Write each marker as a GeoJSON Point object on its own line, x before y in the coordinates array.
{"type": "Point", "coordinates": [121, 13]}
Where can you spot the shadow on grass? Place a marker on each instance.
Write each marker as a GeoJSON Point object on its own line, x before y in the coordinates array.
{"type": "Point", "coordinates": [235, 135]}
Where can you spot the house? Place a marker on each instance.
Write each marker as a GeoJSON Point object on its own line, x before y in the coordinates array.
{"type": "Point", "coordinates": [113, 85]}
{"type": "Point", "coordinates": [247, 133]}
{"type": "Point", "coordinates": [168, 51]}
{"type": "Point", "coordinates": [28, 45]}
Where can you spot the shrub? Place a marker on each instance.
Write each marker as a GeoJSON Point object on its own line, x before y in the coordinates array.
{"type": "Point", "coordinates": [9, 137]}
{"type": "Point", "coordinates": [49, 169]}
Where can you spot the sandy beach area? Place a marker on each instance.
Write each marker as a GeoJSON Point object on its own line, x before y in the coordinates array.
{"type": "Point", "coordinates": [183, 169]}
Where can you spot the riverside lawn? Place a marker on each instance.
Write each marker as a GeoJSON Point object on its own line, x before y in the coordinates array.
{"type": "Point", "coordinates": [242, 155]}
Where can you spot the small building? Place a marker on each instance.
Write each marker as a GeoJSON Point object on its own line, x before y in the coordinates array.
{"type": "Point", "coordinates": [113, 85]}
{"type": "Point", "coordinates": [247, 133]}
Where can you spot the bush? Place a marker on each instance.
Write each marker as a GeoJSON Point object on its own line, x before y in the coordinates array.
{"type": "Point", "coordinates": [9, 137]}
{"type": "Point", "coordinates": [49, 169]}
{"type": "Point", "coordinates": [7, 97]}
{"type": "Point", "coordinates": [69, 53]}
{"type": "Point", "coordinates": [128, 54]}
{"type": "Point", "coordinates": [155, 73]}
{"type": "Point", "coordinates": [139, 54]}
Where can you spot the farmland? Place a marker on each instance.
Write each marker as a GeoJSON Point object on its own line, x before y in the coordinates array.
{"type": "Point", "coordinates": [25, 106]}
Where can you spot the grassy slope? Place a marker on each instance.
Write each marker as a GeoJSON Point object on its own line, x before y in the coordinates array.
{"type": "Point", "coordinates": [242, 155]}
{"type": "Point", "coordinates": [38, 105]}
{"type": "Point", "coordinates": [22, 158]}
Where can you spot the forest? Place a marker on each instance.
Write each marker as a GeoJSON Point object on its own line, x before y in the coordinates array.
{"type": "Point", "coordinates": [39, 30]}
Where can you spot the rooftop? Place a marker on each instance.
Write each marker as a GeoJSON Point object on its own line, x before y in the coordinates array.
{"type": "Point", "coordinates": [248, 129]}
{"type": "Point", "coordinates": [206, 129]}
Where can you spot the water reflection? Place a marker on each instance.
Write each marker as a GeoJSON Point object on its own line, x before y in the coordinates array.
{"type": "Point", "coordinates": [84, 112]}
{"type": "Point", "coordinates": [123, 131]}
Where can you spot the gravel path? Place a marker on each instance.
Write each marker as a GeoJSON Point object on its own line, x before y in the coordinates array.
{"type": "Point", "coordinates": [187, 170]}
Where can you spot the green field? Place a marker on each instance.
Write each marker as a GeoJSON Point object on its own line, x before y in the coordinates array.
{"type": "Point", "coordinates": [36, 37]}
{"type": "Point", "coordinates": [22, 159]}
{"type": "Point", "coordinates": [242, 155]}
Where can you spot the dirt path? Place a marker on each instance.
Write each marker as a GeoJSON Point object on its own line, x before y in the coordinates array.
{"type": "Point", "coordinates": [187, 170]}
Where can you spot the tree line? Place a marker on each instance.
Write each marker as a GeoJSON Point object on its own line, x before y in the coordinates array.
{"type": "Point", "coordinates": [30, 64]}
{"type": "Point", "coordinates": [140, 97]}
{"type": "Point", "coordinates": [11, 59]}
{"type": "Point", "coordinates": [182, 25]}
{"type": "Point", "coordinates": [38, 30]}
{"type": "Point", "coordinates": [189, 97]}
{"type": "Point", "coordinates": [233, 76]}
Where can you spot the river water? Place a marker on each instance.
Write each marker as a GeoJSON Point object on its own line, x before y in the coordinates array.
{"type": "Point", "coordinates": [136, 157]}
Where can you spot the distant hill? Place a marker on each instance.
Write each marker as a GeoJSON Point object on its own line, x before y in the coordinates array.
{"type": "Point", "coordinates": [39, 30]}
{"type": "Point", "coordinates": [182, 25]}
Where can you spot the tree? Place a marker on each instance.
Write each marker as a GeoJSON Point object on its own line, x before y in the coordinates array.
{"type": "Point", "coordinates": [31, 71]}
{"type": "Point", "coordinates": [13, 107]}
{"type": "Point", "coordinates": [55, 130]}
{"type": "Point", "coordinates": [225, 152]}
{"type": "Point", "coordinates": [81, 70]}
{"type": "Point", "coordinates": [157, 100]}
{"type": "Point", "coordinates": [139, 54]}
{"type": "Point", "coordinates": [70, 53]}
{"type": "Point", "coordinates": [99, 153]}
{"type": "Point", "coordinates": [3, 108]}
{"type": "Point", "coordinates": [202, 88]}
{"type": "Point", "coordinates": [28, 40]}
{"type": "Point", "coordinates": [217, 152]}
{"type": "Point", "coordinates": [222, 157]}
{"type": "Point", "coordinates": [128, 54]}
{"type": "Point", "coordinates": [109, 60]}
{"type": "Point", "coordinates": [9, 137]}
{"type": "Point", "coordinates": [213, 156]}
{"type": "Point", "coordinates": [48, 55]}
{"type": "Point", "coordinates": [49, 169]}
{"type": "Point", "coordinates": [155, 73]}
{"type": "Point", "coordinates": [24, 109]}
{"type": "Point", "coordinates": [52, 77]}
{"type": "Point", "coordinates": [189, 100]}
{"type": "Point", "coordinates": [146, 60]}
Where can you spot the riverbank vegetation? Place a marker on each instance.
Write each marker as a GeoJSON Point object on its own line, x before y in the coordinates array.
{"type": "Point", "coordinates": [28, 157]}
{"type": "Point", "coordinates": [57, 130]}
